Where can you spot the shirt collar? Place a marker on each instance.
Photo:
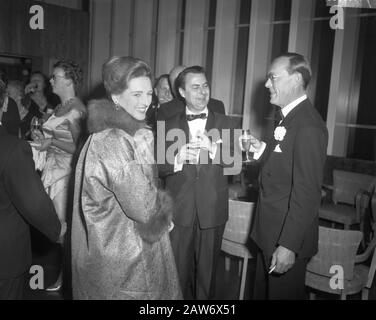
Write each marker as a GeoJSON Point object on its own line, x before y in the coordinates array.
{"type": "Point", "coordinates": [286, 110]}
{"type": "Point", "coordinates": [187, 111]}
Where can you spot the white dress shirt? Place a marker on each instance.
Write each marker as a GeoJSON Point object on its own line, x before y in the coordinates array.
{"type": "Point", "coordinates": [285, 111]}
{"type": "Point", "coordinates": [196, 126]}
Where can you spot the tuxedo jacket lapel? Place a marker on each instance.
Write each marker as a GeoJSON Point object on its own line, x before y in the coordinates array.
{"type": "Point", "coordinates": [210, 122]}
{"type": "Point", "coordinates": [291, 115]}
{"type": "Point", "coordinates": [286, 122]}
{"type": "Point", "coordinates": [183, 124]}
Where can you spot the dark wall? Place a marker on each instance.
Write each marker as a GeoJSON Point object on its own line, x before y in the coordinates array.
{"type": "Point", "coordinates": [65, 33]}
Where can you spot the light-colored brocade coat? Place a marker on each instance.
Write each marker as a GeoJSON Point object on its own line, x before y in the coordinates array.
{"type": "Point", "coordinates": [120, 241]}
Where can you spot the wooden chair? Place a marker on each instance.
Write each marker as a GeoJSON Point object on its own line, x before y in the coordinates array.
{"type": "Point", "coordinates": [236, 236]}
{"type": "Point", "coordinates": [347, 186]}
{"type": "Point", "coordinates": [372, 194]}
{"type": "Point", "coordinates": [337, 249]}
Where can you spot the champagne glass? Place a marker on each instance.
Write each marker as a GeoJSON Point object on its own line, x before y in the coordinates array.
{"type": "Point", "coordinates": [195, 140]}
{"type": "Point", "coordinates": [36, 125]}
{"type": "Point", "coordinates": [246, 140]}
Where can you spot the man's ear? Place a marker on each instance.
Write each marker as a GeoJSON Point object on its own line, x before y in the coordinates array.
{"type": "Point", "coordinates": [298, 79]}
{"type": "Point", "coordinates": [182, 92]}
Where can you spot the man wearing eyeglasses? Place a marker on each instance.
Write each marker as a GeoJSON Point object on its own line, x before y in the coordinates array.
{"type": "Point", "coordinates": [286, 222]}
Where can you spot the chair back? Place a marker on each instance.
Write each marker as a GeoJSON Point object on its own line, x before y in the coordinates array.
{"type": "Point", "coordinates": [372, 194]}
{"type": "Point", "coordinates": [239, 221]}
{"type": "Point", "coordinates": [336, 247]}
{"type": "Point", "coordinates": [346, 184]}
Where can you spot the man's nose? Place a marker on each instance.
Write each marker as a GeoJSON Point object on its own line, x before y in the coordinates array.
{"type": "Point", "coordinates": [203, 91]}
{"type": "Point", "coordinates": [268, 83]}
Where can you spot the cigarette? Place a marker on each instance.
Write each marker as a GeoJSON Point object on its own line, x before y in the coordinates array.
{"type": "Point", "coordinates": [272, 269]}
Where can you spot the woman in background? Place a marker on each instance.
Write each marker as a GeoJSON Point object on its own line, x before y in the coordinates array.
{"type": "Point", "coordinates": [60, 138]}
{"type": "Point", "coordinates": [121, 221]}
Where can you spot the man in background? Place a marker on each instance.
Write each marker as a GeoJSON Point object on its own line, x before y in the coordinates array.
{"type": "Point", "coordinates": [177, 104]}
{"type": "Point", "coordinates": [23, 202]}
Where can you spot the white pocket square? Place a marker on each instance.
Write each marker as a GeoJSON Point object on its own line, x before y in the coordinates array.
{"type": "Point", "coordinates": [277, 148]}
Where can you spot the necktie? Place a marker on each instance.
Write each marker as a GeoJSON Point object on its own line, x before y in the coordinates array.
{"type": "Point", "coordinates": [191, 117]}
{"type": "Point", "coordinates": [278, 117]}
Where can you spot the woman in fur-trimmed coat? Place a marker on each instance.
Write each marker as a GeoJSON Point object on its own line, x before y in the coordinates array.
{"type": "Point", "coordinates": [121, 221]}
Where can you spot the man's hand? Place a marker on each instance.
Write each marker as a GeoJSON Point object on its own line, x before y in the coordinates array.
{"type": "Point", "coordinates": [30, 88]}
{"type": "Point", "coordinates": [188, 152]}
{"type": "Point", "coordinates": [255, 146]}
{"type": "Point", "coordinates": [44, 144]}
{"type": "Point", "coordinates": [205, 142]}
{"type": "Point", "coordinates": [36, 135]}
{"type": "Point", "coordinates": [283, 259]}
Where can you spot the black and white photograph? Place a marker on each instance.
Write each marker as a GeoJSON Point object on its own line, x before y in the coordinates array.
{"type": "Point", "coordinates": [188, 155]}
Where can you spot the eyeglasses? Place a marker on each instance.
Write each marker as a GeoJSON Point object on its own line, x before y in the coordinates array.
{"type": "Point", "coordinates": [273, 77]}
{"type": "Point", "coordinates": [54, 76]}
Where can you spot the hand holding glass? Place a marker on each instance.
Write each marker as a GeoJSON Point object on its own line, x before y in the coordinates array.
{"type": "Point", "coordinates": [246, 141]}
{"type": "Point", "coordinates": [36, 127]}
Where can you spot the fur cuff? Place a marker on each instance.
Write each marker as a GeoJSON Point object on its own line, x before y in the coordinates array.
{"type": "Point", "coordinates": [158, 224]}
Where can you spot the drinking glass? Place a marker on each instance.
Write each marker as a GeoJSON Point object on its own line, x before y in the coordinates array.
{"type": "Point", "coordinates": [36, 124]}
{"type": "Point", "coordinates": [195, 139]}
{"type": "Point", "coordinates": [246, 140]}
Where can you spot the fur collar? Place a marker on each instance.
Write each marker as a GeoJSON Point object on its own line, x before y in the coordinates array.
{"type": "Point", "coordinates": [103, 115]}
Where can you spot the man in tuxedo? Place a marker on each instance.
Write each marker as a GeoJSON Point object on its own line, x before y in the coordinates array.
{"type": "Point", "coordinates": [23, 201]}
{"type": "Point", "coordinates": [286, 222]}
{"type": "Point", "coordinates": [195, 177]}
{"type": "Point", "coordinates": [177, 104]}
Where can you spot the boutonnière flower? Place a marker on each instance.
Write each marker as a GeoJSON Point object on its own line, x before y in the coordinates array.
{"type": "Point", "coordinates": [279, 133]}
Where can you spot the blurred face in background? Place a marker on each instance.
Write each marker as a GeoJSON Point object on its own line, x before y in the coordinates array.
{"type": "Point", "coordinates": [162, 91]}
{"type": "Point", "coordinates": [37, 80]}
{"type": "Point", "coordinates": [196, 92]}
{"type": "Point", "coordinates": [136, 99]}
{"type": "Point", "coordinates": [15, 91]}
{"type": "Point", "coordinates": [172, 77]}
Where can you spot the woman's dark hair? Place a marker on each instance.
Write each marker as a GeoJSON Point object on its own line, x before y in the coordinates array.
{"type": "Point", "coordinates": [72, 71]}
{"type": "Point", "coordinates": [117, 72]}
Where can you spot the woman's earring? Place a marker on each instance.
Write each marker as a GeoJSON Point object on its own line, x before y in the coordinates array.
{"type": "Point", "coordinates": [117, 106]}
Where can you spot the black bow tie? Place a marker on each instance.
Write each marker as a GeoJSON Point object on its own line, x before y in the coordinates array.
{"type": "Point", "coordinates": [191, 117]}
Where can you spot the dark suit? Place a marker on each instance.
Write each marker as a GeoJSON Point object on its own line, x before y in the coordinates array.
{"type": "Point", "coordinates": [289, 197]}
{"type": "Point", "coordinates": [200, 193]}
{"type": "Point", "coordinates": [23, 201]}
{"type": "Point", "coordinates": [176, 106]}
{"type": "Point", "coordinates": [11, 119]}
